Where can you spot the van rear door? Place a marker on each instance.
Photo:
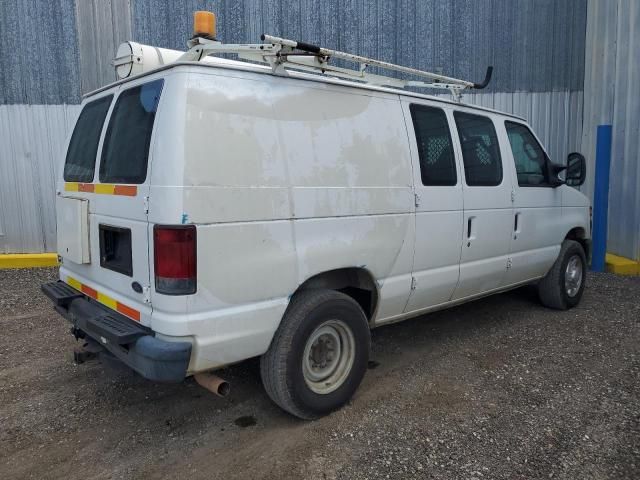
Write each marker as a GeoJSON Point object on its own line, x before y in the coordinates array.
{"type": "Point", "coordinates": [114, 190]}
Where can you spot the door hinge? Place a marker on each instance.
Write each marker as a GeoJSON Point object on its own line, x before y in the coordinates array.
{"type": "Point", "coordinates": [145, 204]}
{"type": "Point", "coordinates": [509, 263]}
{"type": "Point", "coordinates": [146, 294]}
{"type": "Point", "coordinates": [417, 199]}
{"type": "Point", "coordinates": [513, 195]}
{"type": "Point", "coordinates": [413, 283]}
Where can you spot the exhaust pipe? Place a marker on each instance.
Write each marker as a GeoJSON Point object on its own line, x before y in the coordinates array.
{"type": "Point", "coordinates": [213, 383]}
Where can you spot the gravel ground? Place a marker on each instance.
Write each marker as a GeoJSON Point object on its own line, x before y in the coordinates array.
{"type": "Point", "coordinates": [499, 388]}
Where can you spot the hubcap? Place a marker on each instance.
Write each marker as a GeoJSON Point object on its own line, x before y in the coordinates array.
{"type": "Point", "coordinates": [328, 356]}
{"type": "Point", "coordinates": [573, 276]}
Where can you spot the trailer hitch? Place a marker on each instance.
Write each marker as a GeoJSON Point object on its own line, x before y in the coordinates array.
{"type": "Point", "coordinates": [88, 351]}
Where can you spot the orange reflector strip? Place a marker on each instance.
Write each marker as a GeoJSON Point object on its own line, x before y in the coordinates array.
{"type": "Point", "coordinates": [105, 300]}
{"type": "Point", "coordinates": [89, 291]}
{"type": "Point", "coordinates": [127, 190]}
{"type": "Point", "coordinates": [102, 188]}
{"type": "Point", "coordinates": [128, 311]}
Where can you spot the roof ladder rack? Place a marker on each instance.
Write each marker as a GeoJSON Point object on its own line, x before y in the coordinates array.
{"type": "Point", "coordinates": [282, 54]}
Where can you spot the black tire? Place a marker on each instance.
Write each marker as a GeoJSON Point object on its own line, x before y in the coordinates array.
{"type": "Point", "coordinates": [281, 366]}
{"type": "Point", "coordinates": [552, 290]}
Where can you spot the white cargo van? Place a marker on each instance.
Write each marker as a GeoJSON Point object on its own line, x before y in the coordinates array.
{"type": "Point", "coordinates": [212, 211]}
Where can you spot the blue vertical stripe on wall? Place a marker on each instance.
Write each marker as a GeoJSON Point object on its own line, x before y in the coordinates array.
{"type": "Point", "coordinates": [601, 197]}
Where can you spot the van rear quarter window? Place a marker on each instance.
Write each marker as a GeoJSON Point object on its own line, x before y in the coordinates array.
{"type": "Point", "coordinates": [126, 144]}
{"type": "Point", "coordinates": [480, 150]}
{"type": "Point", "coordinates": [80, 164]}
{"type": "Point", "coordinates": [435, 149]}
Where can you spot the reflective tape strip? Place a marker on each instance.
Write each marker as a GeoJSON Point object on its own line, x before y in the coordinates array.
{"type": "Point", "coordinates": [128, 311]}
{"type": "Point", "coordinates": [90, 292]}
{"type": "Point", "coordinates": [105, 300]}
{"type": "Point", "coordinates": [102, 188]}
{"type": "Point", "coordinates": [127, 190]}
{"type": "Point", "coordinates": [108, 301]}
{"type": "Point", "coordinates": [74, 283]}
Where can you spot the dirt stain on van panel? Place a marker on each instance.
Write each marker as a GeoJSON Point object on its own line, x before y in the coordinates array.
{"type": "Point", "coordinates": [330, 243]}
{"type": "Point", "coordinates": [304, 104]}
{"type": "Point", "coordinates": [260, 253]}
{"type": "Point", "coordinates": [232, 137]}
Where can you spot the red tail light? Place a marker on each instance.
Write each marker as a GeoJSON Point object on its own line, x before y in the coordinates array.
{"type": "Point", "coordinates": [175, 259]}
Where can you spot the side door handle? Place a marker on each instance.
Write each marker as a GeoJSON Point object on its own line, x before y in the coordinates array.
{"type": "Point", "coordinates": [517, 221]}
{"type": "Point", "coordinates": [470, 230]}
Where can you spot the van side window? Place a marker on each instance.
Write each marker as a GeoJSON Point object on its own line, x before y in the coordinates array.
{"type": "Point", "coordinates": [126, 144]}
{"type": "Point", "coordinates": [80, 163]}
{"type": "Point", "coordinates": [530, 159]}
{"type": "Point", "coordinates": [480, 150]}
{"type": "Point", "coordinates": [435, 149]}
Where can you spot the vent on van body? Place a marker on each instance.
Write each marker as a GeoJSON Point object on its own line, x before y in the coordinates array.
{"type": "Point", "coordinates": [115, 249]}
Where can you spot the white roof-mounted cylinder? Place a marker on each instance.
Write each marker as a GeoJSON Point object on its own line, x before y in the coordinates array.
{"type": "Point", "coordinates": [134, 58]}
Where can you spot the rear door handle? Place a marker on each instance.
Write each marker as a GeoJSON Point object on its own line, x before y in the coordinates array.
{"type": "Point", "coordinates": [517, 225]}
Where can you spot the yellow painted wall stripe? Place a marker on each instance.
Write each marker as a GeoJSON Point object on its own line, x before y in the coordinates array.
{"type": "Point", "coordinates": [621, 265]}
{"type": "Point", "coordinates": [28, 260]}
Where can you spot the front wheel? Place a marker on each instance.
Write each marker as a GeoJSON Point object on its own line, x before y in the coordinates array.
{"type": "Point", "coordinates": [318, 355]}
{"type": "Point", "coordinates": [563, 285]}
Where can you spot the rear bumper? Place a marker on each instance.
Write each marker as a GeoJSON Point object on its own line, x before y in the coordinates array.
{"type": "Point", "coordinates": [133, 344]}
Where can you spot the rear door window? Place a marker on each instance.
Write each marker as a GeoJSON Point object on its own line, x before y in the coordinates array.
{"type": "Point", "coordinates": [125, 152]}
{"type": "Point", "coordinates": [480, 150]}
{"type": "Point", "coordinates": [437, 163]}
{"type": "Point", "coordinates": [80, 163]}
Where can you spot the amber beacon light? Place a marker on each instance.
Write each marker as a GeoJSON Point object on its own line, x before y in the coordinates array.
{"type": "Point", "coordinates": [204, 24]}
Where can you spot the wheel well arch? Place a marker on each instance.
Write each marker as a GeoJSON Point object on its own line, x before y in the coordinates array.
{"type": "Point", "coordinates": [356, 282]}
{"type": "Point", "coordinates": [579, 234]}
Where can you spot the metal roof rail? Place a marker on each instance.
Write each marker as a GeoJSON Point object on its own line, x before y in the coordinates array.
{"type": "Point", "coordinates": [282, 54]}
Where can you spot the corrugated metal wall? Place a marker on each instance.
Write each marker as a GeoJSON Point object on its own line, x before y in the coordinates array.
{"type": "Point", "coordinates": [32, 142]}
{"type": "Point", "coordinates": [38, 51]}
{"type": "Point", "coordinates": [556, 117]}
{"type": "Point", "coordinates": [536, 46]}
{"type": "Point", "coordinates": [102, 26]}
{"type": "Point", "coordinates": [612, 97]}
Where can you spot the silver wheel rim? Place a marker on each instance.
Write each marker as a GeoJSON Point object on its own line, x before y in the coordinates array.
{"type": "Point", "coordinates": [573, 276]}
{"type": "Point", "coordinates": [329, 355]}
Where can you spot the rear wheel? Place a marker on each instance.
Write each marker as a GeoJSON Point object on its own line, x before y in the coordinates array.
{"type": "Point", "coordinates": [318, 355]}
{"type": "Point", "coordinates": [563, 285]}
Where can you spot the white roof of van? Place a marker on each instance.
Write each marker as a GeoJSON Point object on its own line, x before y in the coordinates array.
{"type": "Point", "coordinates": [216, 62]}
